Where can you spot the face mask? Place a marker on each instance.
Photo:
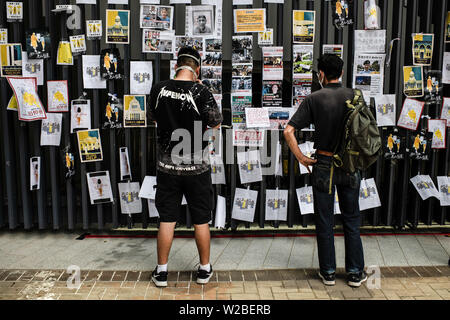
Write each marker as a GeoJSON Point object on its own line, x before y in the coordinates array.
{"type": "Point", "coordinates": [320, 81]}
{"type": "Point", "coordinates": [187, 68]}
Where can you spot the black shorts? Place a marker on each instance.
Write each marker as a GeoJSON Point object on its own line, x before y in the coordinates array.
{"type": "Point", "coordinates": [198, 192]}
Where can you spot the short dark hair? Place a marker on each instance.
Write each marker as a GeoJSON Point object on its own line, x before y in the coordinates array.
{"type": "Point", "coordinates": [187, 61]}
{"type": "Point", "coordinates": [201, 16]}
{"type": "Point", "coordinates": [331, 65]}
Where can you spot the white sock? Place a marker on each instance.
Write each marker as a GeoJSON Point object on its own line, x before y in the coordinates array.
{"type": "Point", "coordinates": [162, 268]}
{"type": "Point", "coordinates": [206, 267]}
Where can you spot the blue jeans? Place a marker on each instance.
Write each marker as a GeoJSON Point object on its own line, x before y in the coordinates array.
{"type": "Point", "coordinates": [347, 186]}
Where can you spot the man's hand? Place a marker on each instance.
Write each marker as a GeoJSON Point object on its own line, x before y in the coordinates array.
{"type": "Point", "coordinates": [289, 135]}
{"type": "Point", "coordinates": [304, 160]}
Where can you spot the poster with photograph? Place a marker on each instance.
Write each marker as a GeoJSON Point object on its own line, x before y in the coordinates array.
{"type": "Point", "coordinates": [368, 195]}
{"type": "Point", "coordinates": [238, 105]}
{"type": "Point", "coordinates": [368, 74]}
{"type": "Point", "coordinates": [35, 173]}
{"type": "Point", "coordinates": [385, 110]}
{"type": "Point", "coordinates": [200, 21]}
{"type": "Point", "coordinates": [272, 94]}
{"type": "Point", "coordinates": [305, 199]}
{"type": "Point", "coordinates": [413, 81]}
{"type": "Point", "coordinates": [242, 47]}
{"type": "Point", "coordinates": [130, 203]}
{"type": "Point", "coordinates": [445, 113]}
{"type": "Point", "coordinates": [247, 138]}
{"type": "Point", "coordinates": [438, 127]}
{"type": "Point", "coordinates": [307, 148]}
{"type": "Point", "coordinates": [57, 96]}
{"type": "Point", "coordinates": [111, 66]}
{"type": "Point", "coordinates": [28, 102]}
{"type": "Point", "coordinates": [185, 41]}
{"type": "Point", "coordinates": [14, 11]}
{"type": "Point", "coordinates": [11, 56]}
{"type": "Point", "coordinates": [148, 189]}
{"type": "Point", "coordinates": [212, 59]}
{"type": "Point", "coordinates": [215, 141]}
{"type": "Point", "coordinates": [422, 49]}
{"type": "Point", "coordinates": [342, 13]}
{"type": "Point", "coordinates": [244, 205]}
{"type": "Point", "coordinates": [99, 185]}
{"type": "Point", "coordinates": [303, 24]}
{"type": "Point", "coordinates": [173, 63]}
{"type": "Point", "coordinates": [336, 49]}
{"type": "Point", "coordinates": [91, 73]}
{"type": "Point", "coordinates": [257, 118]}
{"type": "Point", "coordinates": [249, 166]}
{"type": "Point", "coordinates": [51, 130]}
{"type": "Point", "coordinates": [156, 17]}
{"type": "Point", "coordinates": [78, 44]}
{"type": "Point", "coordinates": [411, 114]}
{"type": "Point", "coordinates": [217, 169]}
{"type": "Point", "coordinates": [242, 79]}
{"type": "Point", "coordinates": [276, 205]}
{"type": "Point", "coordinates": [33, 68]}
{"type": "Point", "coordinates": [90, 145]}
{"type": "Point", "coordinates": [213, 73]}
{"type": "Point", "coordinates": [433, 86]}
{"type": "Point", "coordinates": [425, 187]}
{"type": "Point", "coordinates": [446, 68]}
{"type": "Point", "coordinates": [419, 145]}
{"type": "Point", "coordinates": [94, 29]}
{"type": "Point", "coordinates": [213, 45]}
{"type": "Point", "coordinates": [64, 55]}
{"type": "Point", "coordinates": [302, 72]}
{"type": "Point", "coordinates": [279, 117]}
{"type": "Point", "coordinates": [141, 77]}
{"type": "Point", "coordinates": [134, 112]}
{"type": "Point", "coordinates": [394, 144]}
{"type": "Point", "coordinates": [117, 26]}
{"type": "Point", "coordinates": [249, 20]}
{"type": "Point", "coordinates": [370, 41]}
{"type": "Point", "coordinates": [444, 190]}
{"type": "Point", "coordinates": [157, 41]}
{"type": "Point", "coordinates": [80, 115]}
{"type": "Point", "coordinates": [272, 63]}
{"type": "Point", "coordinates": [3, 35]}
{"type": "Point", "coordinates": [265, 38]}
{"type": "Point", "coordinates": [125, 169]}
{"type": "Point", "coordinates": [214, 86]}
{"type": "Point", "coordinates": [38, 44]}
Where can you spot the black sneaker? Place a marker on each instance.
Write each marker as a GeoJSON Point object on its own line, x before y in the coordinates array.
{"type": "Point", "coordinates": [356, 279]}
{"type": "Point", "coordinates": [160, 279]}
{"type": "Point", "coordinates": [328, 279]}
{"type": "Point", "coordinates": [203, 276]}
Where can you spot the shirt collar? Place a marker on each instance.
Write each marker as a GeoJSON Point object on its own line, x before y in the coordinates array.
{"type": "Point", "coordinates": [334, 85]}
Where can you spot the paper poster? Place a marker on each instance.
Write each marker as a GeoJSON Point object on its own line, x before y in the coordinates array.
{"type": "Point", "coordinates": [157, 41]}
{"type": "Point", "coordinates": [78, 44]}
{"type": "Point", "coordinates": [242, 2]}
{"type": "Point", "coordinates": [279, 117]}
{"type": "Point", "coordinates": [413, 81]}
{"type": "Point", "coordinates": [215, 141]}
{"type": "Point", "coordinates": [342, 13]}
{"type": "Point", "coordinates": [113, 112]}
{"type": "Point", "coordinates": [99, 185]}
{"type": "Point", "coordinates": [156, 17]}
{"type": "Point", "coordinates": [64, 56]}
{"type": "Point", "coordinates": [370, 41]}
{"type": "Point", "coordinates": [94, 29]}
{"type": "Point", "coordinates": [134, 112]}
{"type": "Point", "coordinates": [302, 72]}
{"type": "Point", "coordinates": [247, 138]}
{"type": "Point", "coordinates": [117, 26]}
{"type": "Point", "coordinates": [394, 144]}
{"type": "Point", "coordinates": [307, 148]}
{"type": "Point", "coordinates": [257, 118]}
{"type": "Point", "coordinates": [433, 86]}
{"type": "Point", "coordinates": [422, 49]}
{"type": "Point", "coordinates": [111, 66]}
{"type": "Point", "coordinates": [368, 195]}
{"type": "Point", "coordinates": [51, 130]}
{"type": "Point", "coordinates": [447, 28]}
{"type": "Point", "coordinates": [38, 44]}
{"type": "Point", "coordinates": [25, 91]}
{"type": "Point", "coordinates": [265, 38]}
{"type": "Point", "coordinates": [411, 114]}
{"type": "Point", "coordinates": [444, 190]}
{"type": "Point", "coordinates": [278, 161]}
{"type": "Point", "coordinates": [91, 73]}
{"type": "Point", "coordinates": [196, 43]}
{"type": "Point", "coordinates": [336, 49]}
{"type": "Point", "coordinates": [35, 173]}
{"type": "Point", "coordinates": [218, 12]}
{"type": "Point", "coordinates": [217, 169]}
{"type": "Point", "coordinates": [173, 63]}
{"type": "Point", "coordinates": [11, 56]}
{"type": "Point", "coordinates": [385, 110]}
{"type": "Point", "coordinates": [425, 186]}
{"type": "Point", "coordinates": [438, 128]}
{"type": "Point", "coordinates": [12, 104]}
{"type": "Point", "coordinates": [272, 63]}
{"type": "Point", "coordinates": [272, 94]}
{"type": "Point", "coordinates": [445, 113]}
{"type": "Point", "coordinates": [337, 207]}
{"type": "Point", "coordinates": [249, 166]}
{"type": "Point", "coordinates": [221, 213]}
{"type": "Point", "coordinates": [368, 74]}
{"type": "Point", "coordinates": [214, 86]}
{"type": "Point", "coordinates": [86, 1]}
{"type": "Point", "coordinates": [371, 15]}
{"type": "Point", "coordinates": [244, 205]}
{"type": "Point", "coordinates": [125, 169]}
{"type": "Point", "coordinates": [200, 21]}
{"type": "Point", "coordinates": [80, 115]}
{"type": "Point", "coordinates": [242, 82]}
{"type": "Point", "coordinates": [90, 145]}
{"type": "Point", "coordinates": [212, 73]}
{"type": "Point", "coordinates": [305, 199]}
{"type": "Point", "coordinates": [130, 203]}
{"type": "Point", "coordinates": [141, 77]}
{"type": "Point", "coordinates": [69, 162]}
{"type": "Point", "coordinates": [118, 2]}
{"type": "Point", "coordinates": [213, 45]}
{"type": "Point", "coordinates": [148, 189]}
{"type": "Point", "coordinates": [419, 145]}
{"type": "Point", "coordinates": [238, 105]}
{"type": "Point", "coordinates": [303, 26]}
{"type": "Point", "coordinates": [249, 20]}
{"type": "Point", "coordinates": [3, 35]}
{"type": "Point", "coordinates": [33, 68]}
{"type": "Point", "coordinates": [57, 96]}
{"type": "Point", "coordinates": [242, 50]}
{"type": "Point", "coordinates": [276, 205]}
{"type": "Point", "coordinates": [14, 11]}
{"type": "Point", "coordinates": [446, 68]}
{"type": "Point", "coordinates": [152, 211]}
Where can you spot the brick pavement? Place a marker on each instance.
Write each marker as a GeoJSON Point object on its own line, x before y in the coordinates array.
{"type": "Point", "coordinates": [396, 283]}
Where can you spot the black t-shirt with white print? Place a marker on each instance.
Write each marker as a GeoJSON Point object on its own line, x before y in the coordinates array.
{"type": "Point", "coordinates": [182, 109]}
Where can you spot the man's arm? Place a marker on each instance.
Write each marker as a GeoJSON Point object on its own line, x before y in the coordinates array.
{"type": "Point", "coordinates": [289, 135]}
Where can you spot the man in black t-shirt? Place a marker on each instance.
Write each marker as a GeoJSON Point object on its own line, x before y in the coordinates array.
{"type": "Point", "coordinates": [183, 110]}
{"type": "Point", "coordinates": [326, 109]}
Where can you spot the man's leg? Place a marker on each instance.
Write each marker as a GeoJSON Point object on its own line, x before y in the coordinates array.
{"type": "Point", "coordinates": [203, 241]}
{"type": "Point", "coordinates": [165, 238]}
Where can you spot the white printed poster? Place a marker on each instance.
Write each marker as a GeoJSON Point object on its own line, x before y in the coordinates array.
{"type": "Point", "coordinates": [99, 184]}
{"type": "Point", "coordinates": [272, 63]}
{"type": "Point", "coordinates": [29, 104]}
{"type": "Point", "coordinates": [141, 77]}
{"type": "Point", "coordinates": [249, 166]}
{"type": "Point", "coordinates": [148, 189]}
{"type": "Point", "coordinates": [368, 74]}
{"type": "Point", "coordinates": [3, 35]}
{"type": "Point", "coordinates": [438, 128]}
{"type": "Point", "coordinates": [78, 44]}
{"type": "Point", "coordinates": [14, 11]}
{"type": "Point", "coordinates": [385, 110]}
{"type": "Point", "coordinates": [370, 41]}
{"type": "Point", "coordinates": [125, 169]}
{"type": "Point", "coordinates": [200, 21]}
{"type": "Point", "coordinates": [152, 211]}
{"type": "Point", "coordinates": [94, 29]}
{"type": "Point", "coordinates": [336, 49]}
{"type": "Point", "coordinates": [33, 68]}
{"type": "Point", "coordinates": [425, 186]}
{"type": "Point", "coordinates": [307, 148]}
{"type": "Point", "coordinates": [57, 96]}
{"type": "Point", "coordinates": [130, 203]}
{"type": "Point", "coordinates": [368, 195]}
{"type": "Point", "coordinates": [244, 205]}
{"type": "Point", "coordinates": [35, 173]}
{"type": "Point", "coordinates": [276, 205]}
{"type": "Point", "coordinates": [257, 118]}
{"type": "Point", "coordinates": [265, 38]}
{"type": "Point", "coordinates": [247, 138]}
{"type": "Point", "coordinates": [410, 114]}
{"type": "Point", "coordinates": [217, 169]}
{"type": "Point", "coordinates": [446, 68]}
{"type": "Point", "coordinates": [221, 213]}
{"type": "Point", "coordinates": [91, 73]}
{"type": "Point", "coordinates": [80, 115]}
{"type": "Point", "coordinates": [51, 130]}
{"type": "Point", "coordinates": [445, 113]}
{"type": "Point", "coordinates": [305, 200]}
{"type": "Point", "coordinates": [444, 190]}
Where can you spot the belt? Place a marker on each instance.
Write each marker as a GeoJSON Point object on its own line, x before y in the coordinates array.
{"type": "Point", "coordinates": [325, 153]}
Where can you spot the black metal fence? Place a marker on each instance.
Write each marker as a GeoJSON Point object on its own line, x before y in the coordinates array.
{"type": "Point", "coordinates": [62, 204]}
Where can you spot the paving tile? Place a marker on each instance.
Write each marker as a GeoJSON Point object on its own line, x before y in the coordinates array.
{"type": "Point", "coordinates": [302, 253]}
{"type": "Point", "coordinates": [279, 253]}
{"type": "Point", "coordinates": [106, 276]}
{"type": "Point", "coordinates": [184, 276]}
{"type": "Point", "coordinates": [255, 254]}
{"type": "Point", "coordinates": [233, 254]}
{"type": "Point", "coordinates": [249, 276]}
{"type": "Point", "coordinates": [434, 251]}
{"type": "Point", "coordinates": [391, 251]}
{"type": "Point", "coordinates": [223, 276]}
{"type": "Point", "coordinates": [236, 276]}
{"type": "Point", "coordinates": [14, 275]}
{"type": "Point", "coordinates": [413, 251]}
{"type": "Point", "coordinates": [132, 276]}
{"type": "Point", "coordinates": [119, 276]}
{"type": "Point", "coordinates": [146, 276]}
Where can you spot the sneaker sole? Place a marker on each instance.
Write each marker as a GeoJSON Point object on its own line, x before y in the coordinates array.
{"type": "Point", "coordinates": [327, 282]}
{"type": "Point", "coordinates": [357, 284]}
{"type": "Point", "coordinates": [159, 283]}
{"type": "Point", "coordinates": [204, 281]}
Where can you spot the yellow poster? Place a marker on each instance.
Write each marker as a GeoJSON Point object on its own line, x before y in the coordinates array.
{"type": "Point", "coordinates": [11, 59]}
{"type": "Point", "coordinates": [12, 105]}
{"type": "Point", "coordinates": [65, 56]}
{"type": "Point", "coordinates": [89, 145]}
{"type": "Point", "coordinates": [117, 26]}
{"type": "Point", "coordinates": [303, 24]}
{"type": "Point", "coordinates": [249, 20]}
